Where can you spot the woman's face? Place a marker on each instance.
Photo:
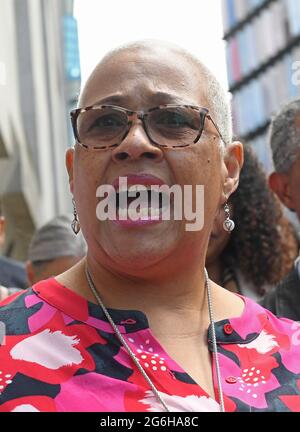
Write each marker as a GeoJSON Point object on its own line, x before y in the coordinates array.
{"type": "Point", "coordinates": [138, 80]}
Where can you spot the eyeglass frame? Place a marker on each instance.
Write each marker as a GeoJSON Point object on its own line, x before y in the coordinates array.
{"type": "Point", "coordinates": [141, 115]}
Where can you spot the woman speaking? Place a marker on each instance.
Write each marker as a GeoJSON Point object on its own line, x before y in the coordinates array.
{"type": "Point", "coordinates": [137, 325]}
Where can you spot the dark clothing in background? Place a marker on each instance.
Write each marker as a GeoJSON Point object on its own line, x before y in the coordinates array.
{"type": "Point", "coordinates": [284, 300]}
{"type": "Point", "coordinates": [12, 273]}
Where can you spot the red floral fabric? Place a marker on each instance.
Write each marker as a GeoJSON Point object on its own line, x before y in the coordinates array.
{"type": "Point", "coordinates": [61, 354]}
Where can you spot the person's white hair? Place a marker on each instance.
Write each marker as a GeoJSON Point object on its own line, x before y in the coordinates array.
{"type": "Point", "coordinates": [216, 96]}
{"type": "Point", "coordinates": [219, 102]}
{"type": "Point", "coordinates": [284, 136]}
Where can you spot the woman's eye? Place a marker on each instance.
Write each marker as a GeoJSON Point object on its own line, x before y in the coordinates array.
{"type": "Point", "coordinates": [174, 119]}
{"type": "Point", "coordinates": [108, 121]}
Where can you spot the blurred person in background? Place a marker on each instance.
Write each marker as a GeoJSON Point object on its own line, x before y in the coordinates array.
{"type": "Point", "coordinates": [284, 138]}
{"type": "Point", "coordinates": [261, 249]}
{"type": "Point", "coordinates": [54, 248]}
{"type": "Point", "coordinates": [12, 272]}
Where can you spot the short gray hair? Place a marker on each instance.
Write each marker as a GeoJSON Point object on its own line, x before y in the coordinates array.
{"type": "Point", "coordinates": [216, 96]}
{"type": "Point", "coordinates": [284, 136]}
{"type": "Point", "coordinates": [220, 105]}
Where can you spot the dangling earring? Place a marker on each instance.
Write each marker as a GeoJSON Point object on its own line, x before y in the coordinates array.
{"type": "Point", "coordinates": [228, 223]}
{"type": "Point", "coordinates": [75, 223]}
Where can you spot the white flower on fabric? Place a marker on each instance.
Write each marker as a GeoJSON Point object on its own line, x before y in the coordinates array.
{"type": "Point", "coordinates": [191, 403]}
{"type": "Point", "coordinates": [25, 408]}
{"type": "Point", "coordinates": [263, 343]}
{"type": "Point", "coordinates": [49, 349]}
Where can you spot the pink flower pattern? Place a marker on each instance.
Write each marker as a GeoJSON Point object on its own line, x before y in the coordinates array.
{"type": "Point", "coordinates": [61, 354]}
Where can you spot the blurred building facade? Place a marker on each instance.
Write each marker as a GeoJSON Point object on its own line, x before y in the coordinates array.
{"type": "Point", "coordinates": [263, 63]}
{"type": "Point", "coordinates": [39, 84]}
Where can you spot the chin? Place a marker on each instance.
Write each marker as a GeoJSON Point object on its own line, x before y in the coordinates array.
{"type": "Point", "coordinates": [138, 254]}
{"type": "Point", "coordinates": [140, 267]}
{"type": "Point", "coordinates": [141, 257]}
{"type": "Point", "coordinates": [139, 248]}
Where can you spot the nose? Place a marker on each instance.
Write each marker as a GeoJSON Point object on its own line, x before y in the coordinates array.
{"type": "Point", "coordinates": [137, 145]}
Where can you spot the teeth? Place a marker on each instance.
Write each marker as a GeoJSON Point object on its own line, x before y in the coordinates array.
{"type": "Point", "coordinates": [143, 187]}
{"type": "Point", "coordinates": [122, 188]}
{"type": "Point", "coordinates": [132, 191]}
{"type": "Point", "coordinates": [144, 213]}
{"type": "Point", "coordinates": [138, 188]}
{"type": "Point", "coordinates": [133, 188]}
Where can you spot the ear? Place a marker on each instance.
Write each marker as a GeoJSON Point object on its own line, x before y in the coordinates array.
{"type": "Point", "coordinates": [233, 160]}
{"type": "Point", "coordinates": [70, 167]}
{"type": "Point", "coordinates": [30, 273]}
{"type": "Point", "coordinates": [2, 231]}
{"type": "Point", "coordinates": [280, 185]}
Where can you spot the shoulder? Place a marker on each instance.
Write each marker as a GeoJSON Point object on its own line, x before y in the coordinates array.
{"type": "Point", "coordinates": [249, 320]}
{"type": "Point", "coordinates": [11, 264]}
{"type": "Point", "coordinates": [263, 352]}
{"type": "Point", "coordinates": [226, 303]}
{"type": "Point", "coordinates": [264, 326]}
{"type": "Point", "coordinates": [260, 335]}
{"type": "Point", "coordinates": [16, 310]}
{"type": "Point", "coordinates": [12, 273]}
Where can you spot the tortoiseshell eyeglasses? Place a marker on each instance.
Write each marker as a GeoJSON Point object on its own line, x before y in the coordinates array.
{"type": "Point", "coordinates": [100, 127]}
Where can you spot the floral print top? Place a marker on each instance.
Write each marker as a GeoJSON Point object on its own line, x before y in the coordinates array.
{"type": "Point", "coordinates": [61, 354]}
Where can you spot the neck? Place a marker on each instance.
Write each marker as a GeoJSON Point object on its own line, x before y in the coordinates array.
{"type": "Point", "coordinates": [124, 291]}
{"type": "Point", "coordinates": [180, 299]}
{"type": "Point", "coordinates": [175, 307]}
{"type": "Point", "coordinates": [215, 270]}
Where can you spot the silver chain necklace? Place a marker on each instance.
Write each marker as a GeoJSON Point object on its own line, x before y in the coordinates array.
{"type": "Point", "coordinates": [135, 359]}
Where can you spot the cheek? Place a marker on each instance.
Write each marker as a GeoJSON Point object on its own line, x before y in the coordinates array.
{"type": "Point", "coordinates": [89, 171]}
{"type": "Point", "coordinates": [196, 165]}
{"type": "Point", "coordinates": [218, 224]}
{"type": "Point", "coordinates": [89, 174]}
{"type": "Point", "coordinates": [200, 166]}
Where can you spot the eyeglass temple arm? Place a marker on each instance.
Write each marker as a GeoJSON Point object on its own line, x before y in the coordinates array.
{"type": "Point", "coordinates": [217, 128]}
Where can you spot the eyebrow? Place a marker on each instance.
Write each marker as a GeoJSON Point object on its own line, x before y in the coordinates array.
{"type": "Point", "coordinates": [113, 99]}
{"type": "Point", "coordinates": [158, 98]}
{"type": "Point", "coordinates": [165, 97]}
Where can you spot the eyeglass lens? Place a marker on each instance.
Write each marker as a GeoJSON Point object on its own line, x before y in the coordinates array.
{"type": "Point", "coordinates": [167, 126]}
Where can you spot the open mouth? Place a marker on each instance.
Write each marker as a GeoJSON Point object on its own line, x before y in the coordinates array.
{"type": "Point", "coordinates": [142, 203]}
